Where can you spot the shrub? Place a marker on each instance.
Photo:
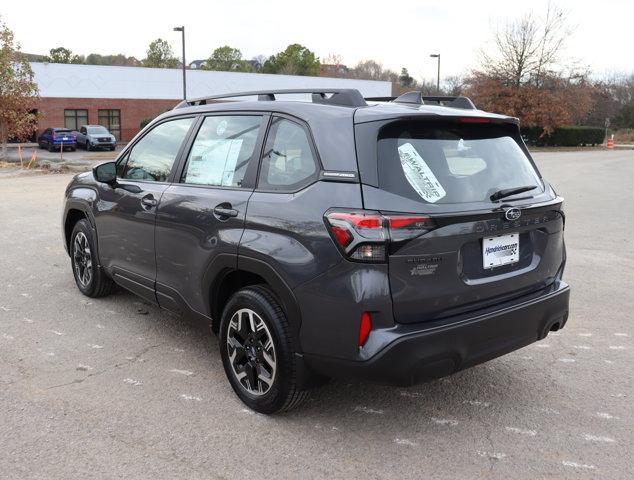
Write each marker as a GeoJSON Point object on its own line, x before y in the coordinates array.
{"type": "Point", "coordinates": [572, 136]}
{"type": "Point", "coordinates": [144, 123]}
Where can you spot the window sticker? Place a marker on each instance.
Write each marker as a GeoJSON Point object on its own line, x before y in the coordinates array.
{"type": "Point", "coordinates": [213, 162]}
{"type": "Point", "coordinates": [419, 175]}
{"type": "Point", "coordinates": [221, 128]}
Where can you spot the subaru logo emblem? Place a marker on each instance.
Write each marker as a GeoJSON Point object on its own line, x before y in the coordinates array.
{"type": "Point", "coordinates": [512, 213]}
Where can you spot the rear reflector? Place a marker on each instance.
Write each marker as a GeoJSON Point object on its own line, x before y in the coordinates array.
{"type": "Point", "coordinates": [365, 328]}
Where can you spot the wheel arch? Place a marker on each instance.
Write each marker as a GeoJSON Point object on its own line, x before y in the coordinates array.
{"type": "Point", "coordinates": [250, 271]}
{"type": "Point", "coordinates": [77, 209]}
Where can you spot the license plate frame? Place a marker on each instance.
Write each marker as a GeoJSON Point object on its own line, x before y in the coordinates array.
{"type": "Point", "coordinates": [500, 250]}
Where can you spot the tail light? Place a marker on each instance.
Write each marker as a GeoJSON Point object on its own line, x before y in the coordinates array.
{"type": "Point", "coordinates": [474, 120]}
{"type": "Point", "coordinates": [364, 235]}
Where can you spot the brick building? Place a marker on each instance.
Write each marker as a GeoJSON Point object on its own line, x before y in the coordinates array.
{"type": "Point", "coordinates": [120, 98]}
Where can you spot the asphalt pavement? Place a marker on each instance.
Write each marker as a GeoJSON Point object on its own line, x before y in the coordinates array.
{"type": "Point", "coordinates": [115, 388]}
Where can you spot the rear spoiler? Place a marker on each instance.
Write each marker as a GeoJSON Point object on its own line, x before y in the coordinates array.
{"type": "Point", "coordinates": [417, 98]}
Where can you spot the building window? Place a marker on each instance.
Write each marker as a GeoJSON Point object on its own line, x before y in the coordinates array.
{"type": "Point", "coordinates": [111, 119]}
{"type": "Point", "coordinates": [74, 118]}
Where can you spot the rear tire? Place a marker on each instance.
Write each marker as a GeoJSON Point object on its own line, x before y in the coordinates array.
{"type": "Point", "coordinates": [88, 149]}
{"type": "Point", "coordinates": [258, 352]}
{"type": "Point", "coordinates": [89, 277]}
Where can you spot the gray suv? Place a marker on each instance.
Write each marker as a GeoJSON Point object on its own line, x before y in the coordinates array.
{"type": "Point", "coordinates": [92, 137]}
{"type": "Point", "coordinates": [321, 234]}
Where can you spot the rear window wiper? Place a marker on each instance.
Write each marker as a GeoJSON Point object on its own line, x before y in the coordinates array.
{"type": "Point", "coordinates": [507, 192]}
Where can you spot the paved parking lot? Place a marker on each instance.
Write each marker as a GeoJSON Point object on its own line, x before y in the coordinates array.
{"type": "Point", "coordinates": [114, 388]}
{"type": "Point", "coordinates": [80, 159]}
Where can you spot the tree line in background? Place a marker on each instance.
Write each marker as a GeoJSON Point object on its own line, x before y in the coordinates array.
{"type": "Point", "coordinates": [523, 73]}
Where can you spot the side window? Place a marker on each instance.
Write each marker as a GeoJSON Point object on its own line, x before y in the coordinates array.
{"type": "Point", "coordinates": [222, 150]}
{"type": "Point", "coordinates": [152, 157]}
{"type": "Point", "coordinates": [289, 162]}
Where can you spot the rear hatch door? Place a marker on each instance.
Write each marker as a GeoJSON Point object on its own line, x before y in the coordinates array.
{"type": "Point", "coordinates": [477, 250]}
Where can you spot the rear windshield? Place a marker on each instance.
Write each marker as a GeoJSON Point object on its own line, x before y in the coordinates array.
{"type": "Point", "coordinates": [452, 162]}
{"type": "Point", "coordinates": [61, 130]}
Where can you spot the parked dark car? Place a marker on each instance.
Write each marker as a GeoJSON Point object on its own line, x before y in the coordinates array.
{"type": "Point", "coordinates": [92, 137]}
{"type": "Point", "coordinates": [388, 240]}
{"type": "Point", "coordinates": [55, 139]}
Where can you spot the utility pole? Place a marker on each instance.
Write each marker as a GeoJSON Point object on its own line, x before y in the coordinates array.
{"type": "Point", "coordinates": [437, 56]}
{"type": "Point", "coordinates": [182, 30]}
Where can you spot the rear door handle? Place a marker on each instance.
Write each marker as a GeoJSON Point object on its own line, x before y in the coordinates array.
{"type": "Point", "coordinates": [149, 201]}
{"type": "Point", "coordinates": [224, 211]}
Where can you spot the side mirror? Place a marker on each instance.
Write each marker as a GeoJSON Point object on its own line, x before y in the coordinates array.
{"type": "Point", "coordinates": [106, 173]}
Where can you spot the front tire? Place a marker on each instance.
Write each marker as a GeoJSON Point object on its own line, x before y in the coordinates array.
{"type": "Point", "coordinates": [89, 277]}
{"type": "Point", "coordinates": [258, 352]}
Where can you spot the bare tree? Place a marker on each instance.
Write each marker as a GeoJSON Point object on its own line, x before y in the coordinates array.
{"type": "Point", "coordinates": [333, 59]}
{"type": "Point", "coordinates": [370, 70]}
{"type": "Point", "coordinates": [453, 85]}
{"type": "Point", "coordinates": [332, 66]}
{"type": "Point", "coordinates": [528, 49]}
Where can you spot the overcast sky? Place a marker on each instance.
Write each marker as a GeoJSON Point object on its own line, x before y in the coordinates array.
{"type": "Point", "coordinates": [397, 34]}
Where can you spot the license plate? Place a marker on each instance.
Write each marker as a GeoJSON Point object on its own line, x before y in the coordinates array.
{"type": "Point", "coordinates": [65, 138]}
{"type": "Point", "coordinates": [502, 250]}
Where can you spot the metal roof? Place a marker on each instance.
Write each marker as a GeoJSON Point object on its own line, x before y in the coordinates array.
{"type": "Point", "coordinates": [97, 81]}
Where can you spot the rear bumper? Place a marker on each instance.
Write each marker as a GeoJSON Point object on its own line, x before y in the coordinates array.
{"type": "Point", "coordinates": [409, 354]}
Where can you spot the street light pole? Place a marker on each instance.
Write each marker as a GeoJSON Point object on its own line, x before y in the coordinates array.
{"type": "Point", "coordinates": [182, 30]}
{"type": "Point", "coordinates": [437, 56]}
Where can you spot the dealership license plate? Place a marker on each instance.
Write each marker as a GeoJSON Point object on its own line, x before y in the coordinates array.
{"type": "Point", "coordinates": [502, 250]}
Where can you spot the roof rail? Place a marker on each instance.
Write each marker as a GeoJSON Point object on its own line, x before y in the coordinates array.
{"type": "Point", "coordinates": [417, 98]}
{"type": "Point", "coordinates": [346, 97]}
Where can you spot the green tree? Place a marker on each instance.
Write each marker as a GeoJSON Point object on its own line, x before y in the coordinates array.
{"type": "Point", "coordinates": [118, 60]}
{"type": "Point", "coordinates": [62, 55]}
{"type": "Point", "coordinates": [405, 79]}
{"type": "Point", "coordinates": [295, 60]}
{"type": "Point", "coordinates": [160, 55]}
{"type": "Point", "coordinates": [18, 91]}
{"type": "Point", "coordinates": [227, 59]}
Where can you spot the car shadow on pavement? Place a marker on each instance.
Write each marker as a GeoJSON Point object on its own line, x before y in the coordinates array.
{"type": "Point", "coordinates": [506, 383]}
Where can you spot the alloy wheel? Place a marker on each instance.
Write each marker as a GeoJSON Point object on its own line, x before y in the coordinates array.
{"type": "Point", "coordinates": [251, 352]}
{"type": "Point", "coordinates": [82, 258]}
